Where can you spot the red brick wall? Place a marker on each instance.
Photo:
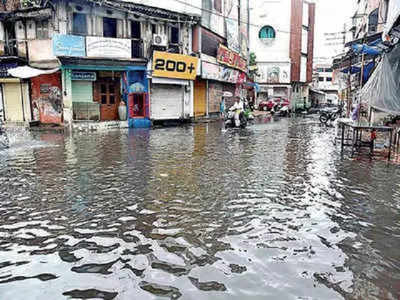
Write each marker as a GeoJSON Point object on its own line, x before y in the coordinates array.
{"type": "Point", "coordinates": [311, 32]}
{"type": "Point", "coordinates": [295, 38]}
{"type": "Point", "coordinates": [49, 99]}
{"type": "Point", "coordinates": [195, 41]}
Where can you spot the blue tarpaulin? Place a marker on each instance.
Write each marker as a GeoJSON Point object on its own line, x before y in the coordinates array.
{"type": "Point", "coordinates": [354, 70]}
{"type": "Point", "coordinates": [365, 49]}
{"type": "Point", "coordinates": [367, 71]}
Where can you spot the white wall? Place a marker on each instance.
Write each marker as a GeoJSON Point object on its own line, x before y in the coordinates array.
{"type": "Point", "coordinates": [191, 7]}
{"type": "Point", "coordinates": [276, 14]}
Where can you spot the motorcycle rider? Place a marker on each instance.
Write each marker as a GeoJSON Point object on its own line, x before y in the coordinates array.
{"type": "Point", "coordinates": [238, 108]}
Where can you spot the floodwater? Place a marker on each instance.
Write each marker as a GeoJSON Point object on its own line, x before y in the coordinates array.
{"type": "Point", "coordinates": [270, 212]}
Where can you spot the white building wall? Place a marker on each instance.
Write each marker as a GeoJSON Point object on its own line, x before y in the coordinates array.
{"type": "Point", "coordinates": [276, 14]}
{"type": "Point", "coordinates": [273, 59]}
{"type": "Point", "coordinates": [191, 7]}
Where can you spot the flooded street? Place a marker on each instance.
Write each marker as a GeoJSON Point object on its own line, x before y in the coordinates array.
{"type": "Point", "coordinates": [196, 212]}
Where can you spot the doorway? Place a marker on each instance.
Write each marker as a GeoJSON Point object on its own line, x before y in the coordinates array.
{"type": "Point", "coordinates": [137, 105]}
{"type": "Point", "coordinates": [107, 94]}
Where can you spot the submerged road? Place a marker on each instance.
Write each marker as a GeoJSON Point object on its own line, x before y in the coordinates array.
{"type": "Point", "coordinates": [270, 212]}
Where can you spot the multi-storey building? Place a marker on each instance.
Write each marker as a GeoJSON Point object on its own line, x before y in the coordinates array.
{"type": "Point", "coordinates": [326, 82]}
{"type": "Point", "coordinates": [222, 43]}
{"type": "Point", "coordinates": [369, 18]}
{"type": "Point", "coordinates": [98, 54]}
{"type": "Point", "coordinates": [282, 37]}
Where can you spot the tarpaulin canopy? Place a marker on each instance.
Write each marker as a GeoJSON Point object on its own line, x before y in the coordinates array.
{"type": "Point", "coordinates": [368, 70]}
{"type": "Point", "coordinates": [365, 49]}
{"type": "Point", "coordinates": [382, 90]}
{"type": "Point", "coordinates": [353, 70]}
{"type": "Point", "coordinates": [28, 72]}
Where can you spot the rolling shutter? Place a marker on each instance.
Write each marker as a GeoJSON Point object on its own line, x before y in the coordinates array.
{"type": "Point", "coordinates": [167, 102]}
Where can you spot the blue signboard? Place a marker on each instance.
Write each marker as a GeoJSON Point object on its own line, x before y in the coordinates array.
{"type": "Point", "coordinates": [69, 45]}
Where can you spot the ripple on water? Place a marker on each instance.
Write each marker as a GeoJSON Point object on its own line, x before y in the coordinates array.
{"type": "Point", "coordinates": [270, 212]}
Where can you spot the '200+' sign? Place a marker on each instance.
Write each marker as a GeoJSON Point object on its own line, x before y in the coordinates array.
{"type": "Point", "coordinates": [174, 65]}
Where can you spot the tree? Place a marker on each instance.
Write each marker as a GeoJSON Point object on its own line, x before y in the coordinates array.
{"type": "Point", "coordinates": [253, 69]}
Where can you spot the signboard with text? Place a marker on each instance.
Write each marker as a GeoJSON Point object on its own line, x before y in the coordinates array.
{"type": "Point", "coordinates": [108, 47]}
{"type": "Point", "coordinates": [69, 45]}
{"type": "Point", "coordinates": [219, 73]}
{"type": "Point", "coordinates": [230, 58]}
{"type": "Point", "coordinates": [83, 76]}
{"type": "Point", "coordinates": [171, 65]}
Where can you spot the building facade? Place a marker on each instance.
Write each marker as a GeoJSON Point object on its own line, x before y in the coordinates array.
{"type": "Point", "coordinates": [221, 41]}
{"type": "Point", "coordinates": [99, 55]}
{"type": "Point", "coordinates": [282, 37]}
{"type": "Point", "coordinates": [325, 82]}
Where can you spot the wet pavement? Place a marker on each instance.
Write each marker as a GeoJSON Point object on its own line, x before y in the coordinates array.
{"type": "Point", "coordinates": [196, 212]}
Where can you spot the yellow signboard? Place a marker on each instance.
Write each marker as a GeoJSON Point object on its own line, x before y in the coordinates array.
{"type": "Point", "coordinates": [171, 65]}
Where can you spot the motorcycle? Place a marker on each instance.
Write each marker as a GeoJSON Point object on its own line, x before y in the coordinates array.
{"type": "Point", "coordinates": [4, 141]}
{"type": "Point", "coordinates": [232, 122]}
{"type": "Point", "coordinates": [327, 116]}
{"type": "Point", "coordinates": [283, 111]}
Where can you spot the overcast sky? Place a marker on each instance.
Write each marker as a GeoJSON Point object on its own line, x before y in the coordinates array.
{"type": "Point", "coordinates": [330, 17]}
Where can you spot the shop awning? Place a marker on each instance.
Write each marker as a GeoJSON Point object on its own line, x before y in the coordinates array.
{"type": "Point", "coordinates": [100, 64]}
{"type": "Point", "coordinates": [353, 70]}
{"type": "Point", "coordinates": [381, 90]}
{"type": "Point", "coordinates": [366, 49]}
{"type": "Point", "coordinates": [28, 72]}
{"type": "Point", "coordinates": [317, 91]}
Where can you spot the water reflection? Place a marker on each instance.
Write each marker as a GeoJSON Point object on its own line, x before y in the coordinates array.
{"type": "Point", "coordinates": [270, 212]}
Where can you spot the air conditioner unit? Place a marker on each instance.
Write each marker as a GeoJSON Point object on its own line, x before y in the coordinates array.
{"type": "Point", "coordinates": [160, 40]}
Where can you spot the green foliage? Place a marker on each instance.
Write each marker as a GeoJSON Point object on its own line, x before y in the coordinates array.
{"type": "Point", "coordinates": [253, 70]}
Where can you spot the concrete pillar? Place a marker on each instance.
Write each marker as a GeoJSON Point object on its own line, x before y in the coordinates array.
{"type": "Point", "coordinates": [67, 97]}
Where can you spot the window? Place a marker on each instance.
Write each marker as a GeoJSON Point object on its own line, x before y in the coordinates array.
{"type": "Point", "coordinates": [267, 32]}
{"type": "Point", "coordinates": [136, 32]}
{"type": "Point", "coordinates": [109, 27]}
{"type": "Point", "coordinates": [79, 26]}
{"type": "Point", "coordinates": [42, 29]}
{"type": "Point", "coordinates": [320, 79]}
{"type": "Point", "coordinates": [153, 29]}
{"type": "Point", "coordinates": [174, 35]}
{"type": "Point", "coordinates": [328, 70]}
{"type": "Point", "coordinates": [329, 79]}
{"type": "Point", "coordinates": [373, 21]}
{"type": "Point", "coordinates": [320, 70]}
{"type": "Point", "coordinates": [267, 35]}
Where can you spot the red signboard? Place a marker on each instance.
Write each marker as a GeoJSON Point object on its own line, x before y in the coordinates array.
{"type": "Point", "coordinates": [230, 58]}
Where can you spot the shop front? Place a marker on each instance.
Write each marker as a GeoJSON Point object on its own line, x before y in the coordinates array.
{"type": "Point", "coordinates": [221, 79]}
{"type": "Point", "coordinates": [172, 86]}
{"type": "Point", "coordinates": [98, 89]}
{"type": "Point", "coordinates": [14, 92]}
{"type": "Point", "coordinates": [111, 88]}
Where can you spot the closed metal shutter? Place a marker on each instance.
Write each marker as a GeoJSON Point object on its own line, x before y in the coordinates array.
{"type": "Point", "coordinates": [166, 102]}
{"type": "Point", "coordinates": [200, 98]}
{"type": "Point", "coordinates": [82, 91]}
{"type": "Point", "coordinates": [13, 102]}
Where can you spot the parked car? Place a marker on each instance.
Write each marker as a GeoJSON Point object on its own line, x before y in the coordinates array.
{"type": "Point", "coordinates": [268, 105]}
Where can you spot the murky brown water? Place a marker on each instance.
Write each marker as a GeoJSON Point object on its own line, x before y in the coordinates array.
{"type": "Point", "coordinates": [271, 212]}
